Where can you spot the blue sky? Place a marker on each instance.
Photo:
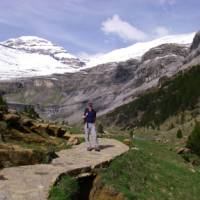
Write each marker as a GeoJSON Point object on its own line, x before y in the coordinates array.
{"type": "Point", "coordinates": [97, 26]}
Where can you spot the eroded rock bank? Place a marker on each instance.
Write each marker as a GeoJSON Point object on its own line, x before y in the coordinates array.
{"type": "Point", "coordinates": [101, 191]}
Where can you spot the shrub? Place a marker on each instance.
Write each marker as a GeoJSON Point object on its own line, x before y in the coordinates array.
{"type": "Point", "coordinates": [179, 134]}
{"type": "Point", "coordinates": [30, 111]}
{"type": "Point", "coordinates": [3, 104]}
{"type": "Point", "coordinates": [194, 139]}
{"type": "Point", "coordinates": [66, 189]}
{"type": "Point", "coordinates": [100, 128]}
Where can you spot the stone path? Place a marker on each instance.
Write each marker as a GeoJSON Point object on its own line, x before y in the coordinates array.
{"type": "Point", "coordinates": [33, 182]}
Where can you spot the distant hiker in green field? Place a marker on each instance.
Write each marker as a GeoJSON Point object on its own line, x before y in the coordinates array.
{"type": "Point", "coordinates": [90, 129]}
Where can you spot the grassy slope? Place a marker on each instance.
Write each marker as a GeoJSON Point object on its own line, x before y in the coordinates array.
{"type": "Point", "coordinates": [154, 173]}
{"type": "Point", "coordinates": [177, 95]}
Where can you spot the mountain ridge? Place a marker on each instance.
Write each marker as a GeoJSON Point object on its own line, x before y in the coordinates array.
{"type": "Point", "coordinates": [16, 56]}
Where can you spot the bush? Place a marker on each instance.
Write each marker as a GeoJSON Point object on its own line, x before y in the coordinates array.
{"type": "Point", "coordinates": [3, 104]}
{"type": "Point", "coordinates": [194, 139]}
{"type": "Point", "coordinates": [30, 111]}
{"type": "Point", "coordinates": [66, 189]}
{"type": "Point", "coordinates": [100, 128]}
{"type": "Point", "coordinates": [179, 134]}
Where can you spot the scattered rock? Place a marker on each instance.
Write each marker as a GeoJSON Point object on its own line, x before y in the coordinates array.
{"type": "Point", "coordinates": [73, 141]}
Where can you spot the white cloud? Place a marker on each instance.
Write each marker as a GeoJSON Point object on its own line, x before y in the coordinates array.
{"type": "Point", "coordinates": [123, 29]}
{"type": "Point", "coordinates": [161, 31]}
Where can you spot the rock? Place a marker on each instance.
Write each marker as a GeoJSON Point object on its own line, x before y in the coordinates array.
{"type": "Point", "coordinates": [2, 197]}
{"type": "Point", "coordinates": [40, 127]}
{"type": "Point", "coordinates": [102, 192]}
{"type": "Point", "coordinates": [73, 141]}
{"type": "Point", "coordinates": [67, 136]}
{"type": "Point", "coordinates": [165, 49]}
{"type": "Point", "coordinates": [183, 150]}
{"type": "Point", "coordinates": [12, 111]}
{"type": "Point", "coordinates": [11, 117]}
{"type": "Point", "coordinates": [196, 41]}
{"type": "Point", "coordinates": [127, 142]}
{"type": "Point", "coordinates": [27, 122]}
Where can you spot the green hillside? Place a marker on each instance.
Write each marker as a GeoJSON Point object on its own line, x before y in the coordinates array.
{"type": "Point", "coordinates": [178, 94]}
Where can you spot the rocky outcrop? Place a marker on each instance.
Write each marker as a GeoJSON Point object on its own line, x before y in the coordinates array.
{"type": "Point", "coordinates": [196, 42]}
{"type": "Point", "coordinates": [193, 58]}
{"type": "Point", "coordinates": [164, 50]}
{"type": "Point", "coordinates": [24, 140]}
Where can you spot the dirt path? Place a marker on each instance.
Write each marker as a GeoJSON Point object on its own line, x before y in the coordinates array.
{"type": "Point", "coordinates": [33, 182]}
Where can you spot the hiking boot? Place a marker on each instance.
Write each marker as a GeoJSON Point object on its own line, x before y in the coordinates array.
{"type": "Point", "coordinates": [89, 149]}
{"type": "Point", "coordinates": [97, 149]}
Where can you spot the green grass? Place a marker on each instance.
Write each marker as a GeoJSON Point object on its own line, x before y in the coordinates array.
{"type": "Point", "coordinates": [65, 189]}
{"type": "Point", "coordinates": [153, 172]}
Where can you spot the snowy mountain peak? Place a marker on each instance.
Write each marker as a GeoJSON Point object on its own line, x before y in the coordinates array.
{"type": "Point", "coordinates": [137, 50]}
{"type": "Point", "coordinates": [29, 56]}
{"type": "Point", "coordinates": [33, 44]}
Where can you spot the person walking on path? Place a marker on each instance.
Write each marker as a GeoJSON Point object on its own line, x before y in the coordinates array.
{"type": "Point", "coordinates": [90, 129]}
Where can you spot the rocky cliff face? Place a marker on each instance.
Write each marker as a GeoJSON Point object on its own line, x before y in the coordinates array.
{"type": "Point", "coordinates": [194, 56]}
{"type": "Point", "coordinates": [63, 97]}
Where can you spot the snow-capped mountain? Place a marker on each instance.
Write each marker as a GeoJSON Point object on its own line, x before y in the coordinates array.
{"type": "Point", "coordinates": [137, 50]}
{"type": "Point", "coordinates": [31, 44]}
{"type": "Point", "coordinates": [29, 56]}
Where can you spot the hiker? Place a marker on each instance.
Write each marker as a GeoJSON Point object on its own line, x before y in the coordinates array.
{"type": "Point", "coordinates": [89, 127]}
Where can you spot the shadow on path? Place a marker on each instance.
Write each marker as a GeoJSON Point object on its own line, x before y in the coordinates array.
{"type": "Point", "coordinates": [105, 146]}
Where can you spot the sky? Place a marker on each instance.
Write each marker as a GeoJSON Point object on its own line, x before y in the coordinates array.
{"type": "Point", "coordinates": [91, 27]}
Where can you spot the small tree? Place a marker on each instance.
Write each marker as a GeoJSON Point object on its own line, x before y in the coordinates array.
{"type": "Point", "coordinates": [30, 111]}
{"type": "Point", "coordinates": [179, 134]}
{"type": "Point", "coordinates": [100, 128]}
{"type": "Point", "coordinates": [131, 134]}
{"type": "Point", "coordinates": [194, 139]}
{"type": "Point", "coordinates": [3, 104]}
